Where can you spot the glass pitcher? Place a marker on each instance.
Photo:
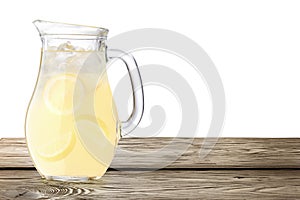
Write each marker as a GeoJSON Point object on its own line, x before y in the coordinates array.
{"type": "Point", "coordinates": [72, 126]}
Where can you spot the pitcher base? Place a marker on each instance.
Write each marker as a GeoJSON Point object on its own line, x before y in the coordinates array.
{"type": "Point", "coordinates": [71, 178]}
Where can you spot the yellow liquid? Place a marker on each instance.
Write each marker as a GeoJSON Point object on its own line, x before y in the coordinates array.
{"type": "Point", "coordinates": [72, 127]}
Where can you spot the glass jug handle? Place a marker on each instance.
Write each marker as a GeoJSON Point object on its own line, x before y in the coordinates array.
{"type": "Point", "coordinates": [137, 89]}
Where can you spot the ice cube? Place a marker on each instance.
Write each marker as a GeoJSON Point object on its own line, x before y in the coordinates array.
{"type": "Point", "coordinates": [62, 66]}
{"type": "Point", "coordinates": [52, 48]}
{"type": "Point", "coordinates": [78, 49]}
{"type": "Point", "coordinates": [65, 47]}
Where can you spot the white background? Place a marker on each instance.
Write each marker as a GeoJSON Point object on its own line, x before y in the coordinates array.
{"type": "Point", "coordinates": [255, 46]}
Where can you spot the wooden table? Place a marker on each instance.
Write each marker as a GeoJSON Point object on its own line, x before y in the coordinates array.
{"type": "Point", "coordinates": [237, 168]}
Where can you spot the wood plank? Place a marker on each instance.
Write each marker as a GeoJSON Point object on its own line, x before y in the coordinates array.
{"type": "Point", "coordinates": [227, 153]}
{"type": "Point", "coordinates": [169, 184]}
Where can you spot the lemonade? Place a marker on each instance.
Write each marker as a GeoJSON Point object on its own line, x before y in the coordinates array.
{"type": "Point", "coordinates": [72, 127]}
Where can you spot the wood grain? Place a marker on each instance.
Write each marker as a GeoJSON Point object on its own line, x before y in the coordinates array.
{"type": "Point", "coordinates": [227, 153]}
{"type": "Point", "coordinates": [236, 168]}
{"type": "Point", "coordinates": [168, 184]}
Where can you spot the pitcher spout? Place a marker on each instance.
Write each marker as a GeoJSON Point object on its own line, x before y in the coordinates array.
{"type": "Point", "coordinates": [57, 29]}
